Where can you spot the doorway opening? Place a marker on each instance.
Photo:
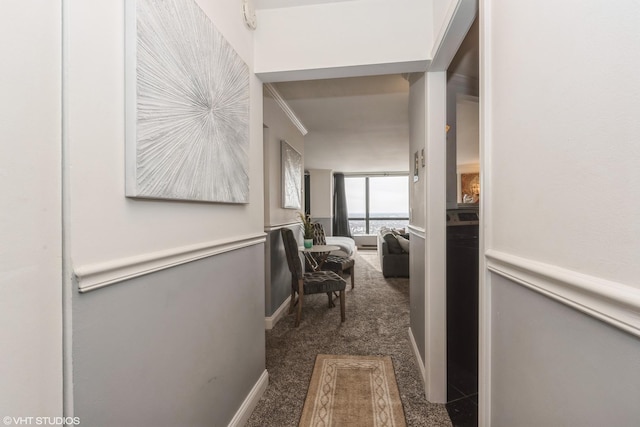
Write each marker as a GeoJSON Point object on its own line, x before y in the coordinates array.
{"type": "Point", "coordinates": [463, 255]}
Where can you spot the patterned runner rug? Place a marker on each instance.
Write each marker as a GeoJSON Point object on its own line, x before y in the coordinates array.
{"type": "Point", "coordinates": [353, 391]}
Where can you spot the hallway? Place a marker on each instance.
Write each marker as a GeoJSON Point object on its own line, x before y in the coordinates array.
{"type": "Point", "coordinates": [377, 324]}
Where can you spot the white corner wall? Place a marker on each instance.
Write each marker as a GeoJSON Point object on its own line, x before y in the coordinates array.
{"type": "Point", "coordinates": [417, 143]}
{"type": "Point", "coordinates": [559, 105]}
{"type": "Point", "coordinates": [417, 206]}
{"type": "Point", "coordinates": [30, 218]}
{"type": "Point", "coordinates": [435, 231]}
{"type": "Point", "coordinates": [367, 36]}
{"type": "Point", "coordinates": [427, 102]}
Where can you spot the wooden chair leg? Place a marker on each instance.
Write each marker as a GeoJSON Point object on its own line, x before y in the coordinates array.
{"type": "Point", "coordinates": [299, 312]}
{"type": "Point", "coordinates": [300, 300]}
{"type": "Point", "coordinates": [292, 303]}
{"type": "Point", "coordinates": [353, 280]}
{"type": "Point", "coordinates": [342, 304]}
{"type": "Point", "coordinates": [331, 295]}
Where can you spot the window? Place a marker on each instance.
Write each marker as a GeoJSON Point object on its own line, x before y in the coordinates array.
{"type": "Point", "coordinates": [377, 201]}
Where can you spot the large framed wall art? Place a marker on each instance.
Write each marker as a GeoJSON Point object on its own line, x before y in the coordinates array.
{"type": "Point", "coordinates": [291, 176]}
{"type": "Point", "coordinates": [187, 106]}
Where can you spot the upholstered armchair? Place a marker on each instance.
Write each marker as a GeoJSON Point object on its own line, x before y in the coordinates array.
{"type": "Point", "coordinates": [313, 282]}
{"type": "Point", "coordinates": [338, 264]}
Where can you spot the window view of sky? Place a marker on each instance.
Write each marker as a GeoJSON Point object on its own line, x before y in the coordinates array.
{"type": "Point", "coordinates": [388, 195]}
{"type": "Point", "coordinates": [388, 198]}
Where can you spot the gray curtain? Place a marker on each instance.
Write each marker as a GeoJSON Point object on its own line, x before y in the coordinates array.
{"type": "Point", "coordinates": [340, 213]}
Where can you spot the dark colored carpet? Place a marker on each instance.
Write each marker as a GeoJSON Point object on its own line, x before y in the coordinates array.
{"type": "Point", "coordinates": [377, 323]}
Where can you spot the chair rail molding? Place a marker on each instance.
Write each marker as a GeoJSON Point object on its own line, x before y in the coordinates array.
{"type": "Point", "coordinates": [614, 303]}
{"type": "Point", "coordinates": [417, 231]}
{"type": "Point", "coordinates": [95, 276]}
{"type": "Point", "coordinates": [274, 227]}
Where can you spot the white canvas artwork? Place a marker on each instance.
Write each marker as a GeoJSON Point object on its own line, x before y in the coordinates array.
{"type": "Point", "coordinates": [187, 106]}
{"type": "Point", "coordinates": [291, 177]}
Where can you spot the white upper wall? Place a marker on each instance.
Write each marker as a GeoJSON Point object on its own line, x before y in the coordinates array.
{"type": "Point", "coordinates": [468, 132]}
{"type": "Point", "coordinates": [30, 218]}
{"type": "Point", "coordinates": [321, 193]}
{"type": "Point", "coordinates": [106, 225]}
{"type": "Point", "coordinates": [564, 112]}
{"type": "Point", "coordinates": [366, 36]}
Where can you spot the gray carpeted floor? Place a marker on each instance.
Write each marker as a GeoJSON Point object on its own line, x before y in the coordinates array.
{"type": "Point", "coordinates": [377, 323]}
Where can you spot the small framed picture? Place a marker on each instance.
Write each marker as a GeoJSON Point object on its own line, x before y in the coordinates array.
{"type": "Point", "coordinates": [422, 159]}
{"type": "Point", "coordinates": [292, 175]}
{"type": "Point", "coordinates": [470, 187]}
{"type": "Point", "coordinates": [416, 166]}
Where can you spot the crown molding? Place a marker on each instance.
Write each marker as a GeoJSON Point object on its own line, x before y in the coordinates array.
{"type": "Point", "coordinates": [285, 107]}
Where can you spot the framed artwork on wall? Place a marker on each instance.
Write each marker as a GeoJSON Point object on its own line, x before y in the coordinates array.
{"type": "Point", "coordinates": [470, 187]}
{"type": "Point", "coordinates": [291, 176]}
{"type": "Point", "coordinates": [187, 106]}
{"type": "Point", "coordinates": [416, 166]}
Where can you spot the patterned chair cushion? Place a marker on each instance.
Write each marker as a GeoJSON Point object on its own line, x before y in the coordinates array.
{"type": "Point", "coordinates": [335, 263]}
{"type": "Point", "coordinates": [323, 281]}
{"type": "Point", "coordinates": [338, 263]}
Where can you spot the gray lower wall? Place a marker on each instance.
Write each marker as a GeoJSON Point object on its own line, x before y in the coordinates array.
{"type": "Point", "coordinates": [416, 291]}
{"type": "Point", "coordinates": [182, 346]}
{"type": "Point", "coordinates": [277, 277]}
{"type": "Point", "coordinates": [555, 366]}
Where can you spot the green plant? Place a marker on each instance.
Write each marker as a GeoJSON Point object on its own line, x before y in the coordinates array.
{"type": "Point", "coordinates": [307, 225]}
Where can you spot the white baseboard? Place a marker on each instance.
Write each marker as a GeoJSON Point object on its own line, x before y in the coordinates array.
{"type": "Point", "coordinates": [418, 357]}
{"type": "Point", "coordinates": [242, 416]}
{"type": "Point", "coordinates": [270, 322]}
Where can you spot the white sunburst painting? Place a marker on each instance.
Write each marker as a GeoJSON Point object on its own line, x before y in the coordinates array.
{"type": "Point", "coordinates": [187, 106]}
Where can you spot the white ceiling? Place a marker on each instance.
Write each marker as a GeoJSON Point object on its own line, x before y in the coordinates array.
{"type": "Point", "coordinates": [467, 59]}
{"type": "Point", "coordinates": [357, 124]}
{"type": "Point", "coordinates": [361, 124]}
